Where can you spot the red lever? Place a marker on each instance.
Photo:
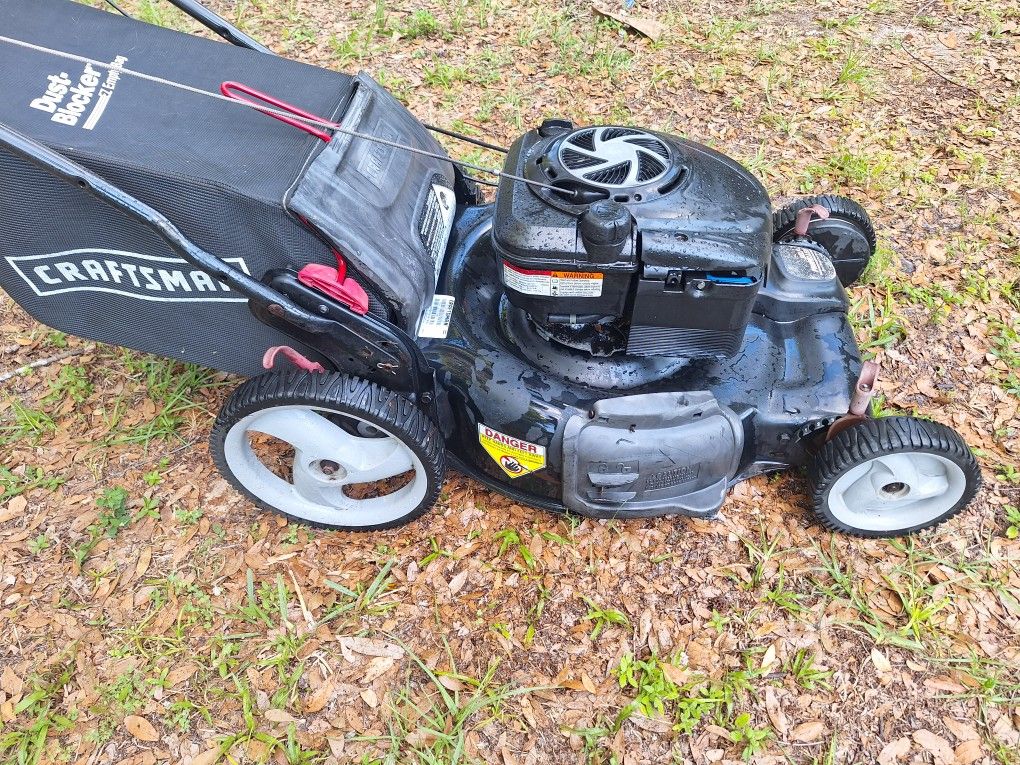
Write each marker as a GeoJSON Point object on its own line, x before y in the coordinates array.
{"type": "Point", "coordinates": [806, 215]}
{"type": "Point", "coordinates": [297, 359]}
{"type": "Point", "coordinates": [228, 88]}
{"type": "Point", "coordinates": [335, 283]}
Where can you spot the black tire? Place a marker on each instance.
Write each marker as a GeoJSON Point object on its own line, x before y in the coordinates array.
{"type": "Point", "coordinates": [392, 412]}
{"type": "Point", "coordinates": [887, 436]}
{"type": "Point", "coordinates": [848, 236]}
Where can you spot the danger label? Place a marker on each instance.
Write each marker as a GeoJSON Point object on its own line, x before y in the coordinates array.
{"type": "Point", "coordinates": [514, 456]}
{"type": "Point", "coordinates": [552, 283]}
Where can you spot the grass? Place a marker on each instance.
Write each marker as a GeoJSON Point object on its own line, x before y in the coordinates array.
{"type": "Point", "coordinates": [421, 23]}
{"type": "Point", "coordinates": [25, 743]}
{"type": "Point", "coordinates": [1012, 518]}
{"type": "Point", "coordinates": [72, 382]}
{"type": "Point", "coordinates": [1006, 348]}
{"type": "Point", "coordinates": [804, 672]}
{"type": "Point", "coordinates": [362, 601]}
{"type": "Point", "coordinates": [433, 712]}
{"type": "Point", "coordinates": [113, 516]}
{"type": "Point", "coordinates": [175, 390]}
{"type": "Point", "coordinates": [26, 423]}
{"type": "Point", "coordinates": [510, 539]}
{"type": "Point", "coordinates": [666, 688]}
{"type": "Point", "coordinates": [603, 617]}
{"type": "Point", "coordinates": [14, 483]}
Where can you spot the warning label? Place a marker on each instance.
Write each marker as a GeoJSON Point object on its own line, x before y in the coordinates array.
{"type": "Point", "coordinates": [435, 322]}
{"type": "Point", "coordinates": [515, 456]}
{"type": "Point", "coordinates": [552, 283]}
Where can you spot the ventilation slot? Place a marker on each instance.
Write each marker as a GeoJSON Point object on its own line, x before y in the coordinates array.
{"type": "Point", "coordinates": [575, 160]}
{"type": "Point", "coordinates": [583, 138]}
{"type": "Point", "coordinates": [652, 144]}
{"type": "Point", "coordinates": [608, 134]}
{"type": "Point", "coordinates": [610, 176]}
{"type": "Point", "coordinates": [649, 168]}
{"type": "Point", "coordinates": [668, 187]}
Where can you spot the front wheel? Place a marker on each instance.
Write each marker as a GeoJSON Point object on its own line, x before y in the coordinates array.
{"type": "Point", "coordinates": [848, 234]}
{"type": "Point", "coordinates": [329, 450]}
{"type": "Point", "coordinates": [892, 476]}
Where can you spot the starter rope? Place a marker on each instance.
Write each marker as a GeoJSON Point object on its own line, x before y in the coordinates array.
{"type": "Point", "coordinates": [272, 111]}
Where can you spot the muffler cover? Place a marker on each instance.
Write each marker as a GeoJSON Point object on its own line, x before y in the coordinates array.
{"type": "Point", "coordinates": [651, 454]}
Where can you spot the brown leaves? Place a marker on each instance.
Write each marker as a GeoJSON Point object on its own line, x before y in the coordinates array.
{"type": "Point", "coordinates": [969, 751]}
{"type": "Point", "coordinates": [880, 661]}
{"type": "Point", "coordinates": [948, 39]}
{"type": "Point", "coordinates": [180, 673]}
{"type": "Point", "coordinates": [140, 728]}
{"type": "Point", "coordinates": [208, 757]}
{"type": "Point", "coordinates": [377, 667]}
{"type": "Point", "coordinates": [319, 698]}
{"type": "Point", "coordinates": [350, 646]}
{"type": "Point", "coordinates": [775, 712]}
{"type": "Point", "coordinates": [650, 28]}
{"type": "Point", "coordinates": [812, 730]}
{"type": "Point", "coordinates": [279, 716]}
{"type": "Point", "coordinates": [458, 582]}
{"type": "Point", "coordinates": [893, 751]}
{"type": "Point", "coordinates": [144, 558]}
{"type": "Point", "coordinates": [10, 682]}
{"type": "Point", "coordinates": [936, 746]}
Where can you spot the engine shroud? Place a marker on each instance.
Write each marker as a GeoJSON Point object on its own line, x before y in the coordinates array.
{"type": "Point", "coordinates": [634, 234]}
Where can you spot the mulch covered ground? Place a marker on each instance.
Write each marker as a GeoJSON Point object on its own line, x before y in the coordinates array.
{"type": "Point", "coordinates": [150, 614]}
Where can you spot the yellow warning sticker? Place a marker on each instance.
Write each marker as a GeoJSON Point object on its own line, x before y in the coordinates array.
{"type": "Point", "coordinates": [515, 456]}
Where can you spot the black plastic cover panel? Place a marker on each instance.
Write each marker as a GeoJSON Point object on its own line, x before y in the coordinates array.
{"type": "Point", "coordinates": [651, 454]}
{"type": "Point", "coordinates": [388, 210]}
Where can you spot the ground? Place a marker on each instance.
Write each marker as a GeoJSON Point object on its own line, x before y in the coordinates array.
{"type": "Point", "coordinates": [150, 614]}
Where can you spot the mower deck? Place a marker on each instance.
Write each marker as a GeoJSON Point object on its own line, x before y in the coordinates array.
{"type": "Point", "coordinates": [793, 376]}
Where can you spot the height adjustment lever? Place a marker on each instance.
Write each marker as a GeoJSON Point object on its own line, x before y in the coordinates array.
{"type": "Point", "coordinates": [805, 216]}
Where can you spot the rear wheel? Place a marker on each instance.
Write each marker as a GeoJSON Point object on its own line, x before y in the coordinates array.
{"type": "Point", "coordinates": [892, 476]}
{"type": "Point", "coordinates": [329, 450]}
{"type": "Point", "coordinates": [848, 235]}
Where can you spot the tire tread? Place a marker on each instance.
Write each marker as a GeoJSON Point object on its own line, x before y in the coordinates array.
{"type": "Point", "coordinates": [887, 435]}
{"type": "Point", "coordinates": [784, 218]}
{"type": "Point", "coordinates": [394, 411]}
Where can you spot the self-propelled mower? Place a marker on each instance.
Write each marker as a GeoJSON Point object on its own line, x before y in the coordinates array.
{"type": "Point", "coordinates": [626, 331]}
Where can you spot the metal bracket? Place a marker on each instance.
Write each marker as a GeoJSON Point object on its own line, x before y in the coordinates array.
{"type": "Point", "coordinates": [860, 402]}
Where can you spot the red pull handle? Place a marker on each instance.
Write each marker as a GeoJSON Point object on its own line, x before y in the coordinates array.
{"type": "Point", "coordinates": [228, 89]}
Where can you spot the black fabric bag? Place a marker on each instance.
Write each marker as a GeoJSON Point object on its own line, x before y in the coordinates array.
{"type": "Point", "coordinates": [222, 173]}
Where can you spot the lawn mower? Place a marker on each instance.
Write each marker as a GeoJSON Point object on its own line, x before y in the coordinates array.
{"type": "Point", "coordinates": [626, 331]}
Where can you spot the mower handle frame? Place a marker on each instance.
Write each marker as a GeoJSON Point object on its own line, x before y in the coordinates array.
{"type": "Point", "coordinates": [219, 25]}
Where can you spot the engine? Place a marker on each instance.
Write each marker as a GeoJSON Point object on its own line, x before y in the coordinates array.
{"type": "Point", "coordinates": [631, 241]}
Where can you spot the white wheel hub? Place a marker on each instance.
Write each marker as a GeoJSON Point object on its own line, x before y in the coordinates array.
{"type": "Point", "coordinates": [327, 461]}
{"type": "Point", "coordinates": [897, 491]}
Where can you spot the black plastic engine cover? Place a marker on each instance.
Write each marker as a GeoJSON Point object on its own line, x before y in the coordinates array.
{"type": "Point", "coordinates": [686, 277]}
